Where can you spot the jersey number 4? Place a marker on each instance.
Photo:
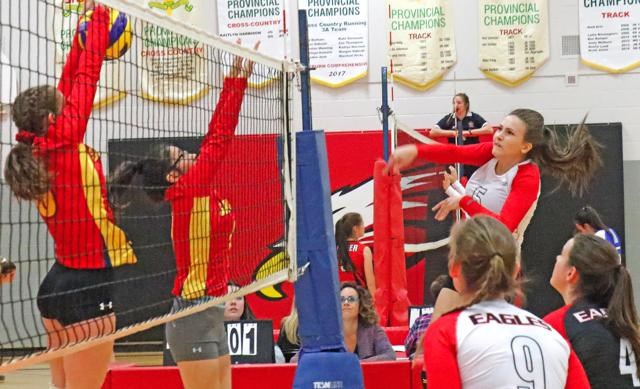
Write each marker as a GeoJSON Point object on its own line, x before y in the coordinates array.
{"type": "Point", "coordinates": [628, 361]}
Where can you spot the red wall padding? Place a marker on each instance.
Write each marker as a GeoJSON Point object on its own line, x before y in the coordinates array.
{"type": "Point", "coordinates": [377, 375]}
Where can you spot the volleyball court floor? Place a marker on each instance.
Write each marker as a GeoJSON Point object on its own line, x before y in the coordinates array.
{"type": "Point", "coordinates": [38, 376]}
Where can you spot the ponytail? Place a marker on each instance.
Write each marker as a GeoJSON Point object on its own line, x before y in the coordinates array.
{"type": "Point", "coordinates": [495, 281]}
{"type": "Point", "coordinates": [119, 182]}
{"type": "Point", "coordinates": [26, 174]}
{"type": "Point", "coordinates": [573, 161]}
{"type": "Point", "coordinates": [622, 316]}
{"type": "Point", "coordinates": [603, 281]}
{"type": "Point", "coordinates": [154, 181]}
{"type": "Point", "coordinates": [486, 252]}
{"type": "Point", "coordinates": [342, 243]}
{"type": "Point", "coordinates": [344, 230]}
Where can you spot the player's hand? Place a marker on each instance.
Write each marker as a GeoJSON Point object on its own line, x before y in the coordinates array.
{"type": "Point", "coordinates": [242, 67]}
{"type": "Point", "coordinates": [89, 5]}
{"type": "Point", "coordinates": [402, 157]}
{"type": "Point", "coordinates": [237, 63]}
{"type": "Point", "coordinates": [443, 208]}
{"type": "Point", "coordinates": [449, 177]}
{"type": "Point", "coordinates": [247, 69]}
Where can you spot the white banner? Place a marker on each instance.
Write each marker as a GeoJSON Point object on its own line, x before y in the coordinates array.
{"type": "Point", "coordinates": [174, 70]}
{"type": "Point", "coordinates": [111, 87]}
{"type": "Point", "coordinates": [8, 88]}
{"type": "Point", "coordinates": [251, 21]}
{"type": "Point", "coordinates": [338, 40]}
{"type": "Point", "coordinates": [513, 39]}
{"type": "Point", "coordinates": [422, 45]}
{"type": "Point", "coordinates": [610, 35]}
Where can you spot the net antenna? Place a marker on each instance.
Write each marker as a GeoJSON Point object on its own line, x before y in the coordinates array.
{"type": "Point", "coordinates": [257, 185]}
{"type": "Point", "coordinates": [413, 178]}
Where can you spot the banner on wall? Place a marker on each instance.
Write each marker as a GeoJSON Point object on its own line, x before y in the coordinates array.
{"type": "Point", "coordinates": [338, 40]}
{"type": "Point", "coordinates": [111, 86]}
{"type": "Point", "coordinates": [513, 39]}
{"type": "Point", "coordinates": [252, 21]}
{"type": "Point", "coordinates": [422, 46]}
{"type": "Point", "coordinates": [8, 88]}
{"type": "Point", "coordinates": [610, 35]}
{"type": "Point", "coordinates": [174, 70]}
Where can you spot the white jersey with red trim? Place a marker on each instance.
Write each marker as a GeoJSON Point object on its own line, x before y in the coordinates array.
{"type": "Point", "coordinates": [491, 191]}
{"type": "Point", "coordinates": [494, 344]}
{"type": "Point", "coordinates": [513, 197]}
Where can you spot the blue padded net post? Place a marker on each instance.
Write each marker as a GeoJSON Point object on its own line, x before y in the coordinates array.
{"type": "Point", "coordinates": [323, 359]}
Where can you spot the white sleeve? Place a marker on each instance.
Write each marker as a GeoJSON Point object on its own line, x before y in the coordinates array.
{"type": "Point", "coordinates": [451, 192]}
{"type": "Point", "coordinates": [458, 187]}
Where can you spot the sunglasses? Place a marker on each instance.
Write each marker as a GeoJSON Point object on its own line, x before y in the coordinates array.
{"type": "Point", "coordinates": [177, 161]}
{"type": "Point", "coordinates": [348, 299]}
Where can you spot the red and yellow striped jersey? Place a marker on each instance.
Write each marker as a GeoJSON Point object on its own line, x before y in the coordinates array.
{"type": "Point", "coordinates": [203, 222]}
{"type": "Point", "coordinates": [76, 209]}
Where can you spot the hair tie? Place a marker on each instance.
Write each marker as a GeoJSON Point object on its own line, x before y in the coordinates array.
{"type": "Point", "coordinates": [25, 137]}
{"type": "Point", "coordinates": [496, 254]}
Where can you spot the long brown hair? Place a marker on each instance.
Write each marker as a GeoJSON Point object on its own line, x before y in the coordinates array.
{"type": "Point", "coordinates": [344, 230]}
{"type": "Point", "coordinates": [588, 215]}
{"type": "Point", "coordinates": [26, 173]}
{"type": "Point", "coordinates": [604, 281]}
{"type": "Point", "coordinates": [154, 169]}
{"type": "Point", "coordinates": [487, 253]}
{"type": "Point", "coordinates": [366, 310]}
{"type": "Point", "coordinates": [573, 161]}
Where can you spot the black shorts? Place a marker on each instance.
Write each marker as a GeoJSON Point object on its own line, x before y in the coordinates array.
{"type": "Point", "coordinates": [74, 295]}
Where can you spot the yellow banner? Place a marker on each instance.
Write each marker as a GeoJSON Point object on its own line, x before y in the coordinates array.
{"type": "Point", "coordinates": [338, 40]}
{"type": "Point", "coordinates": [610, 35]}
{"type": "Point", "coordinates": [513, 39]}
{"type": "Point", "coordinates": [422, 45]}
{"type": "Point", "coordinates": [174, 70]}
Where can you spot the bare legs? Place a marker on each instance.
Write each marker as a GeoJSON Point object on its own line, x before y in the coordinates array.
{"type": "Point", "coordinates": [84, 369]}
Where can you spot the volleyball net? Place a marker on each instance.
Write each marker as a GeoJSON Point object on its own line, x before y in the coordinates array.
{"type": "Point", "coordinates": [158, 90]}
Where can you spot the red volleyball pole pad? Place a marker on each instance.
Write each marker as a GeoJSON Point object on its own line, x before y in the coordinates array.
{"type": "Point", "coordinates": [391, 299]}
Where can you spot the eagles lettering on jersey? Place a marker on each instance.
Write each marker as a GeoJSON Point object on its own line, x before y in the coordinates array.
{"type": "Point", "coordinates": [494, 344]}
{"type": "Point", "coordinates": [507, 319]}
{"type": "Point", "coordinates": [203, 222]}
{"type": "Point", "coordinates": [608, 360]}
{"type": "Point", "coordinates": [76, 210]}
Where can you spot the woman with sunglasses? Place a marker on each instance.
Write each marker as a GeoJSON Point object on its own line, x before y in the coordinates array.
{"type": "Point", "coordinates": [487, 342]}
{"type": "Point", "coordinates": [202, 227]}
{"type": "Point", "coordinates": [362, 334]}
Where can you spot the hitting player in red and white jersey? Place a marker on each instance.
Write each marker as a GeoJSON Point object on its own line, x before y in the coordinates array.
{"type": "Point", "coordinates": [599, 320]}
{"type": "Point", "coordinates": [490, 343]}
{"type": "Point", "coordinates": [507, 184]}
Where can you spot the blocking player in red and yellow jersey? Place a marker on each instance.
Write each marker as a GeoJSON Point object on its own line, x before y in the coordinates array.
{"type": "Point", "coordinates": [202, 228]}
{"type": "Point", "coordinates": [51, 165]}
